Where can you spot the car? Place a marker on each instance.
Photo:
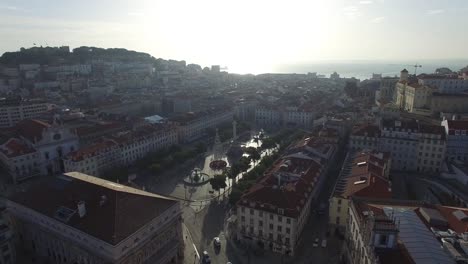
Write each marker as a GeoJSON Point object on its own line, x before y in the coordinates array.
{"type": "Point", "coordinates": [216, 241]}
{"type": "Point", "coordinates": [205, 258]}
{"type": "Point", "coordinates": [316, 242]}
{"type": "Point", "coordinates": [324, 243]}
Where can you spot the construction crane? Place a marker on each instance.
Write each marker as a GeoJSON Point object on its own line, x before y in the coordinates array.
{"type": "Point", "coordinates": [416, 66]}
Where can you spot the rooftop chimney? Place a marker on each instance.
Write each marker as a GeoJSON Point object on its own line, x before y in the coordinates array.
{"type": "Point", "coordinates": [81, 209]}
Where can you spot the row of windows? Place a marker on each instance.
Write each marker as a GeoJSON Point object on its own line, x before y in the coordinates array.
{"type": "Point", "coordinates": [260, 214]}
{"type": "Point", "coordinates": [279, 237]}
{"type": "Point", "coordinates": [279, 228]}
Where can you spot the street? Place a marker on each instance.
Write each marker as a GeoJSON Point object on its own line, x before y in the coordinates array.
{"type": "Point", "coordinates": [209, 222]}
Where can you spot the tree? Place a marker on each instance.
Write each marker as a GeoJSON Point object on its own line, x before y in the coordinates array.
{"type": "Point", "coordinates": [235, 195]}
{"type": "Point", "coordinates": [218, 182]}
{"type": "Point", "coordinates": [155, 168]}
{"type": "Point", "coordinates": [465, 69]}
{"type": "Point", "coordinates": [268, 143]}
{"type": "Point", "coordinates": [200, 147]}
{"type": "Point", "coordinates": [234, 170]}
{"type": "Point", "coordinates": [244, 164]}
{"type": "Point", "coordinates": [443, 70]}
{"type": "Point", "coordinates": [253, 153]}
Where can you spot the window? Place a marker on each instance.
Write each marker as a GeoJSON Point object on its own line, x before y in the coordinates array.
{"type": "Point", "coordinates": [287, 241]}
{"type": "Point", "coordinates": [251, 221]}
{"type": "Point", "coordinates": [271, 226]}
{"type": "Point", "coordinates": [260, 213]}
{"type": "Point", "coordinates": [288, 220]}
{"type": "Point", "coordinates": [337, 221]}
{"type": "Point", "coordinates": [251, 211]}
{"type": "Point", "coordinates": [271, 216]}
{"type": "Point", "coordinates": [280, 228]}
{"type": "Point", "coordinates": [270, 236]}
{"type": "Point", "coordinates": [338, 209]}
{"type": "Point", "coordinates": [288, 230]}
{"type": "Point", "coordinates": [260, 223]}
{"type": "Point", "coordinates": [339, 201]}
{"type": "Point", "coordinates": [243, 218]}
{"type": "Point", "coordinates": [280, 219]}
{"type": "Point", "coordinates": [243, 209]}
{"type": "Point", "coordinates": [383, 239]}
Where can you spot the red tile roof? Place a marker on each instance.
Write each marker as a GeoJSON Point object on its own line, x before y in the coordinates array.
{"type": "Point", "coordinates": [87, 130]}
{"type": "Point", "coordinates": [457, 124]}
{"type": "Point", "coordinates": [92, 150]}
{"type": "Point", "coordinates": [31, 129]}
{"type": "Point", "coordinates": [459, 226]}
{"type": "Point", "coordinates": [367, 177]}
{"type": "Point", "coordinates": [270, 194]}
{"type": "Point", "coordinates": [15, 147]}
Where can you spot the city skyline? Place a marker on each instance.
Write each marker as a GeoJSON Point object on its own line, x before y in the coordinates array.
{"type": "Point", "coordinates": [246, 37]}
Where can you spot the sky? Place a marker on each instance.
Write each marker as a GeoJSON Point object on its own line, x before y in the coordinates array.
{"type": "Point", "coordinates": [245, 35]}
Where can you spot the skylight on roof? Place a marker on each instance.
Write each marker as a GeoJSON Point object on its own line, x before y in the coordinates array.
{"type": "Point", "coordinates": [64, 214]}
{"type": "Point", "coordinates": [359, 164]}
{"type": "Point", "coordinates": [460, 215]}
{"type": "Point", "coordinates": [359, 182]}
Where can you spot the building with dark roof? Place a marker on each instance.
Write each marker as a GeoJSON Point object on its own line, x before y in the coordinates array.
{"type": "Point", "coordinates": [364, 174]}
{"type": "Point", "coordinates": [413, 232]}
{"type": "Point", "coordinates": [272, 213]}
{"type": "Point", "coordinates": [77, 218]}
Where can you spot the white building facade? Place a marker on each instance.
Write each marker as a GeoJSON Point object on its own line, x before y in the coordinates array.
{"type": "Point", "coordinates": [413, 146]}
{"type": "Point", "coordinates": [457, 139]}
{"type": "Point", "coordinates": [450, 84]}
{"type": "Point", "coordinates": [38, 150]}
{"type": "Point", "coordinates": [11, 114]}
{"type": "Point", "coordinates": [120, 150]}
{"type": "Point", "coordinates": [192, 126]}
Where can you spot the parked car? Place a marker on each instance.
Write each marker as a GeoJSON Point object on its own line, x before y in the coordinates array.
{"type": "Point", "coordinates": [324, 243]}
{"type": "Point", "coordinates": [316, 242]}
{"type": "Point", "coordinates": [216, 241]}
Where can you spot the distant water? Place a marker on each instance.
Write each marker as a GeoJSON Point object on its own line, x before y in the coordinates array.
{"type": "Point", "coordinates": [364, 69]}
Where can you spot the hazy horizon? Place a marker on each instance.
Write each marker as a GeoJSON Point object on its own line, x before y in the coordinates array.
{"type": "Point", "coordinates": [243, 35]}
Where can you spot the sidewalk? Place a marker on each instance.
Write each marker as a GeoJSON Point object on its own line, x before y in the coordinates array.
{"type": "Point", "coordinates": [190, 253]}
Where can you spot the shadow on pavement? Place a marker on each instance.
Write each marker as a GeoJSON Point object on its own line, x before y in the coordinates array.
{"type": "Point", "coordinates": [213, 222]}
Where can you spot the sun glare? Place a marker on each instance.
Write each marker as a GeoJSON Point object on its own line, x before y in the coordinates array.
{"type": "Point", "coordinates": [245, 36]}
